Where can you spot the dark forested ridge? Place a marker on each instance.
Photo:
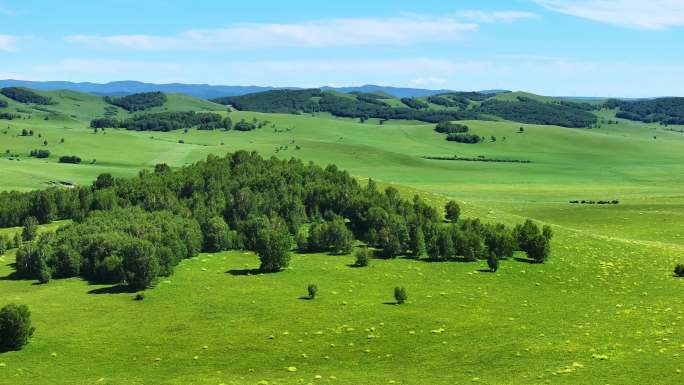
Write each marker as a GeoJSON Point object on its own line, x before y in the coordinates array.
{"type": "Point", "coordinates": [138, 102]}
{"type": "Point", "coordinates": [662, 110]}
{"type": "Point", "coordinates": [135, 230]}
{"type": "Point", "coordinates": [24, 95]}
{"type": "Point", "coordinates": [450, 106]}
{"type": "Point", "coordinates": [527, 110]}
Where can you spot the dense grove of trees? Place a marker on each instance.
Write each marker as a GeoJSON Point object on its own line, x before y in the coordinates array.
{"type": "Point", "coordinates": [3, 104]}
{"type": "Point", "coordinates": [464, 138]}
{"type": "Point", "coordinates": [663, 110]}
{"type": "Point", "coordinates": [243, 125]}
{"type": "Point", "coordinates": [138, 102]}
{"type": "Point", "coordinates": [167, 121]}
{"type": "Point", "coordinates": [530, 111]}
{"type": "Point", "coordinates": [371, 98]}
{"type": "Point", "coordinates": [113, 246]}
{"type": "Point", "coordinates": [415, 103]}
{"type": "Point", "coordinates": [277, 101]}
{"type": "Point", "coordinates": [24, 95]}
{"type": "Point", "coordinates": [451, 128]}
{"type": "Point", "coordinates": [307, 101]}
{"type": "Point", "coordinates": [9, 116]}
{"type": "Point", "coordinates": [135, 230]}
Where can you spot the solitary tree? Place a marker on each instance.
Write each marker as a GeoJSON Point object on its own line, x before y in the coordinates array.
{"type": "Point", "coordinates": [363, 256]}
{"type": "Point", "coordinates": [400, 295]}
{"type": "Point", "coordinates": [312, 289]}
{"type": "Point", "coordinates": [493, 262]}
{"type": "Point", "coordinates": [273, 247]}
{"type": "Point", "coordinates": [15, 327]}
{"type": "Point", "coordinates": [453, 211]}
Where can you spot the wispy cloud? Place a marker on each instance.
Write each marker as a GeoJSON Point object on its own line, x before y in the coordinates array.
{"type": "Point", "coordinates": [7, 12]}
{"type": "Point", "coordinates": [496, 16]}
{"type": "Point", "coordinates": [642, 14]}
{"type": "Point", "coordinates": [8, 42]}
{"type": "Point", "coordinates": [313, 34]}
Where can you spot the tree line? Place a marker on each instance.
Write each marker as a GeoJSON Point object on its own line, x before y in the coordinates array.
{"type": "Point", "coordinates": [665, 111]}
{"type": "Point", "coordinates": [24, 95]}
{"type": "Point", "coordinates": [138, 102]}
{"type": "Point", "coordinates": [135, 230]}
{"type": "Point", "coordinates": [167, 121]}
{"type": "Point", "coordinates": [527, 110]}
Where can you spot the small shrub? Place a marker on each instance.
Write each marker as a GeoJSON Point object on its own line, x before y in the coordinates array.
{"type": "Point", "coordinates": [493, 262]}
{"type": "Point", "coordinates": [363, 256]}
{"type": "Point", "coordinates": [452, 211]}
{"type": "Point", "coordinates": [312, 289]}
{"type": "Point", "coordinates": [15, 327]}
{"type": "Point", "coordinates": [140, 296]}
{"type": "Point", "coordinates": [679, 270]}
{"type": "Point", "coordinates": [400, 295]}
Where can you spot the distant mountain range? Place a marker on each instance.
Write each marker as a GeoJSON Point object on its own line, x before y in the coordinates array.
{"type": "Point", "coordinates": [203, 91]}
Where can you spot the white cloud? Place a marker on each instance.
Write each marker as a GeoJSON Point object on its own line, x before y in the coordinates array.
{"type": "Point", "coordinates": [314, 34]}
{"type": "Point", "coordinates": [7, 42]}
{"type": "Point", "coordinates": [497, 16]}
{"type": "Point", "coordinates": [642, 14]}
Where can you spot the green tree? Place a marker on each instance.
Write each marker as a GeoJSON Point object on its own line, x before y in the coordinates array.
{"type": "Point", "coordinates": [338, 238]}
{"type": "Point", "coordinates": [140, 263]}
{"type": "Point", "coordinates": [417, 241]}
{"type": "Point", "coordinates": [30, 230]}
{"type": "Point", "coordinates": [493, 262]}
{"type": "Point", "coordinates": [216, 235]}
{"type": "Point", "coordinates": [273, 248]}
{"type": "Point", "coordinates": [679, 270]}
{"type": "Point", "coordinates": [362, 256]}
{"type": "Point", "coordinates": [15, 327]}
{"type": "Point", "coordinates": [312, 289]}
{"type": "Point", "coordinates": [400, 295]}
{"type": "Point", "coordinates": [452, 211]}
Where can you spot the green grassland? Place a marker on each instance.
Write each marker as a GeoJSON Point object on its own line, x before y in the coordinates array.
{"type": "Point", "coordinates": [605, 309]}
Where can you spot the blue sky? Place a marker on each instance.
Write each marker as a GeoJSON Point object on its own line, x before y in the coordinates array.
{"type": "Point", "coordinates": [628, 48]}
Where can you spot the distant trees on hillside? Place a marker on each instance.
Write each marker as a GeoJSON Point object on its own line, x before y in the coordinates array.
{"type": "Point", "coordinates": [40, 153]}
{"type": "Point", "coordinates": [138, 102]}
{"type": "Point", "coordinates": [167, 121]}
{"type": "Point", "coordinates": [662, 110]}
{"type": "Point", "coordinates": [70, 159]}
{"type": "Point", "coordinates": [3, 104]}
{"type": "Point", "coordinates": [24, 95]}
{"type": "Point", "coordinates": [464, 138]}
{"type": "Point", "coordinates": [527, 110]}
{"type": "Point", "coordinates": [451, 128]}
{"type": "Point", "coordinates": [415, 103]}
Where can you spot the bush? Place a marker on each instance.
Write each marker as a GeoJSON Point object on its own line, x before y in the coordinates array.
{"type": "Point", "coordinates": [312, 289]}
{"type": "Point", "coordinates": [70, 159]}
{"type": "Point", "coordinates": [447, 127]}
{"type": "Point", "coordinates": [464, 138]}
{"type": "Point", "coordinates": [244, 126]}
{"type": "Point", "coordinates": [363, 256]}
{"type": "Point", "coordinates": [140, 296]}
{"type": "Point", "coordinates": [493, 262]}
{"type": "Point", "coordinates": [40, 154]}
{"type": "Point", "coordinates": [679, 270]}
{"type": "Point", "coordinates": [15, 327]}
{"type": "Point", "coordinates": [400, 295]}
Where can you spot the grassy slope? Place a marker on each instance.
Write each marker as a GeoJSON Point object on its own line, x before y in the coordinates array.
{"type": "Point", "coordinates": [607, 290]}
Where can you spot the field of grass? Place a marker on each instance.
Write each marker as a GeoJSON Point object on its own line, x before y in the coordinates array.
{"type": "Point", "coordinates": [604, 310]}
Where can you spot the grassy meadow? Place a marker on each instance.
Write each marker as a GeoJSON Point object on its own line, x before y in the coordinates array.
{"type": "Point", "coordinates": [605, 309]}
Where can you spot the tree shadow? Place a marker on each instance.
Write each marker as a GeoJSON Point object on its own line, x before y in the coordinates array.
{"type": "Point", "coordinates": [525, 260]}
{"type": "Point", "coordinates": [13, 276]}
{"type": "Point", "coordinates": [305, 298]}
{"type": "Point", "coordinates": [244, 272]}
{"type": "Point", "coordinates": [484, 271]}
{"type": "Point", "coordinates": [116, 289]}
{"type": "Point", "coordinates": [355, 266]}
{"type": "Point", "coordinates": [391, 303]}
